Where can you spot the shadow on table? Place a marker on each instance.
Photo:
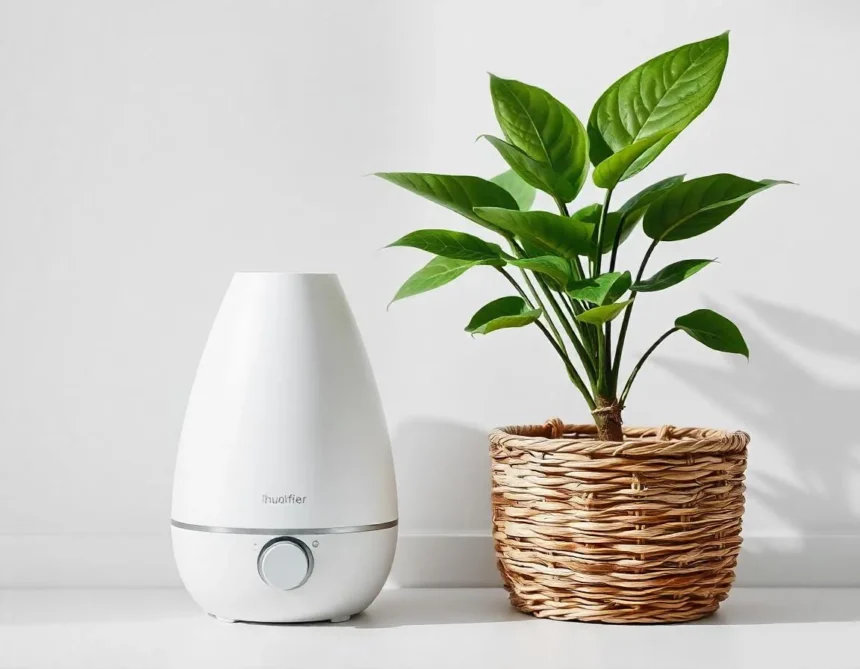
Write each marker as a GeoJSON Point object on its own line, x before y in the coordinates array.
{"type": "Point", "coordinates": [772, 606]}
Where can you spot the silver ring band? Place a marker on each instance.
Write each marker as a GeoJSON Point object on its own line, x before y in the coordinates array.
{"type": "Point", "coordinates": [283, 532]}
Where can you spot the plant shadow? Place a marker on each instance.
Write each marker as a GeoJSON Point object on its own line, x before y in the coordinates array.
{"type": "Point", "coordinates": [807, 415]}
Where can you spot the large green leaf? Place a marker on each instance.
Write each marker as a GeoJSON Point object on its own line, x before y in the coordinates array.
{"type": "Point", "coordinates": [543, 128]}
{"type": "Point", "coordinates": [601, 290]}
{"type": "Point", "coordinates": [557, 269]}
{"type": "Point", "coordinates": [602, 314]}
{"type": "Point", "coordinates": [458, 193]}
{"type": "Point", "coordinates": [434, 274]}
{"type": "Point", "coordinates": [553, 234]}
{"type": "Point", "coordinates": [696, 206]}
{"type": "Point", "coordinates": [538, 174]}
{"type": "Point", "coordinates": [662, 95]}
{"type": "Point", "coordinates": [451, 244]}
{"type": "Point", "coordinates": [671, 275]}
{"type": "Point", "coordinates": [714, 331]}
{"type": "Point", "coordinates": [506, 312]}
{"type": "Point", "coordinates": [523, 192]}
{"type": "Point", "coordinates": [627, 162]}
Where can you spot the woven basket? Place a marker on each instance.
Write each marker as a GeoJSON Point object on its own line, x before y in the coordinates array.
{"type": "Point", "coordinates": [646, 530]}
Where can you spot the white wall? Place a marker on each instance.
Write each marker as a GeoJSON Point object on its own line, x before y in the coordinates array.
{"type": "Point", "coordinates": [149, 149]}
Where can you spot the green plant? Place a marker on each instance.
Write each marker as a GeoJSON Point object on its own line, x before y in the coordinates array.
{"type": "Point", "coordinates": [570, 288]}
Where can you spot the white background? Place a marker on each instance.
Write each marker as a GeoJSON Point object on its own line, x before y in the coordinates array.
{"type": "Point", "coordinates": [150, 149]}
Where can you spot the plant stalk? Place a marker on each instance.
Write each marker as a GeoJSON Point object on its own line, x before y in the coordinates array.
{"type": "Point", "coordinates": [571, 370]}
{"type": "Point", "coordinates": [616, 243]}
{"type": "Point", "coordinates": [604, 337]}
{"type": "Point", "coordinates": [641, 362]}
{"type": "Point", "coordinates": [622, 334]}
{"type": "Point", "coordinates": [576, 265]}
{"type": "Point", "coordinates": [584, 355]}
{"type": "Point", "coordinates": [601, 224]}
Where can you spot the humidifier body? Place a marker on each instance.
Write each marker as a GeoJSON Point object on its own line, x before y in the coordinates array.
{"type": "Point", "coordinates": [284, 499]}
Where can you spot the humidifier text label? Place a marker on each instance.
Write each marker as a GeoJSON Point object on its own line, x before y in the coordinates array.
{"type": "Point", "coordinates": [283, 499]}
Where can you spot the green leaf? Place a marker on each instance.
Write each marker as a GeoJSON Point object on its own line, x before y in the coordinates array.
{"type": "Point", "coordinates": [458, 193]}
{"type": "Point", "coordinates": [590, 213]}
{"type": "Point", "coordinates": [524, 193]}
{"type": "Point", "coordinates": [632, 211]}
{"type": "Point", "coordinates": [553, 234]}
{"type": "Point", "coordinates": [696, 206]}
{"type": "Point", "coordinates": [450, 244]}
{"type": "Point", "coordinates": [538, 174]}
{"type": "Point", "coordinates": [557, 269]}
{"type": "Point", "coordinates": [601, 290]}
{"type": "Point", "coordinates": [714, 331]}
{"type": "Point", "coordinates": [602, 314]}
{"type": "Point", "coordinates": [627, 162]}
{"type": "Point", "coordinates": [544, 129]}
{"type": "Point", "coordinates": [636, 205]}
{"type": "Point", "coordinates": [434, 274]}
{"type": "Point", "coordinates": [663, 95]}
{"type": "Point", "coordinates": [671, 275]}
{"type": "Point", "coordinates": [506, 312]}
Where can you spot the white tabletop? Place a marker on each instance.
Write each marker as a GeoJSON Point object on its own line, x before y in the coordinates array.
{"type": "Point", "coordinates": [761, 628]}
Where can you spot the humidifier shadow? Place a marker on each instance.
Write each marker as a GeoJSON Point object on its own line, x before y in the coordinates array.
{"type": "Point", "coordinates": [809, 416]}
{"type": "Point", "coordinates": [443, 481]}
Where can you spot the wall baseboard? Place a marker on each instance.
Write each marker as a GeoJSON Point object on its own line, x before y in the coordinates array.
{"type": "Point", "coordinates": [423, 560]}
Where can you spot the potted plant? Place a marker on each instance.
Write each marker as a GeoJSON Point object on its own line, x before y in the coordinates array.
{"type": "Point", "coordinates": [599, 522]}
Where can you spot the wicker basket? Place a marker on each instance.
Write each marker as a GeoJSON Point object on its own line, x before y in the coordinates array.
{"type": "Point", "coordinates": [646, 530]}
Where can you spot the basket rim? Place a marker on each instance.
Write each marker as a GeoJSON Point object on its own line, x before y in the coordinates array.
{"type": "Point", "coordinates": [554, 436]}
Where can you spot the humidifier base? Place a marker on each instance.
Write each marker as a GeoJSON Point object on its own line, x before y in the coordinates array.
{"type": "Point", "coordinates": [289, 577]}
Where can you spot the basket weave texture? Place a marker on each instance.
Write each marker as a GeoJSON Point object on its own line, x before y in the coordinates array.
{"type": "Point", "coordinates": [646, 530]}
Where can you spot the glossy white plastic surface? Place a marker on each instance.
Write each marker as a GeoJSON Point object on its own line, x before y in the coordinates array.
{"type": "Point", "coordinates": [284, 431]}
{"type": "Point", "coordinates": [220, 572]}
{"type": "Point", "coordinates": [284, 403]}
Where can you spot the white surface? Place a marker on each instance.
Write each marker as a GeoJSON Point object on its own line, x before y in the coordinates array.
{"type": "Point", "coordinates": [423, 628]}
{"type": "Point", "coordinates": [151, 149]}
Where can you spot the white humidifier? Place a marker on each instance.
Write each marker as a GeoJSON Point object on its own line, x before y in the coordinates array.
{"type": "Point", "coordinates": [284, 501]}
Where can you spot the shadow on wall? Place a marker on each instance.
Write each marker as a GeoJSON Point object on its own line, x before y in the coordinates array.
{"type": "Point", "coordinates": [443, 488]}
{"type": "Point", "coordinates": [811, 420]}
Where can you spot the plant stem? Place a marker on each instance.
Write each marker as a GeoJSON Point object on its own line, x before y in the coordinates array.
{"type": "Point", "coordinates": [601, 224]}
{"type": "Point", "coordinates": [616, 243]}
{"type": "Point", "coordinates": [641, 362]}
{"type": "Point", "coordinates": [577, 306]}
{"type": "Point", "coordinates": [622, 335]}
{"type": "Point", "coordinates": [604, 339]}
{"type": "Point", "coordinates": [584, 355]}
{"type": "Point", "coordinates": [520, 253]}
{"type": "Point", "coordinates": [571, 370]}
{"type": "Point", "coordinates": [513, 282]}
{"type": "Point", "coordinates": [575, 264]}
{"type": "Point", "coordinates": [601, 363]}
